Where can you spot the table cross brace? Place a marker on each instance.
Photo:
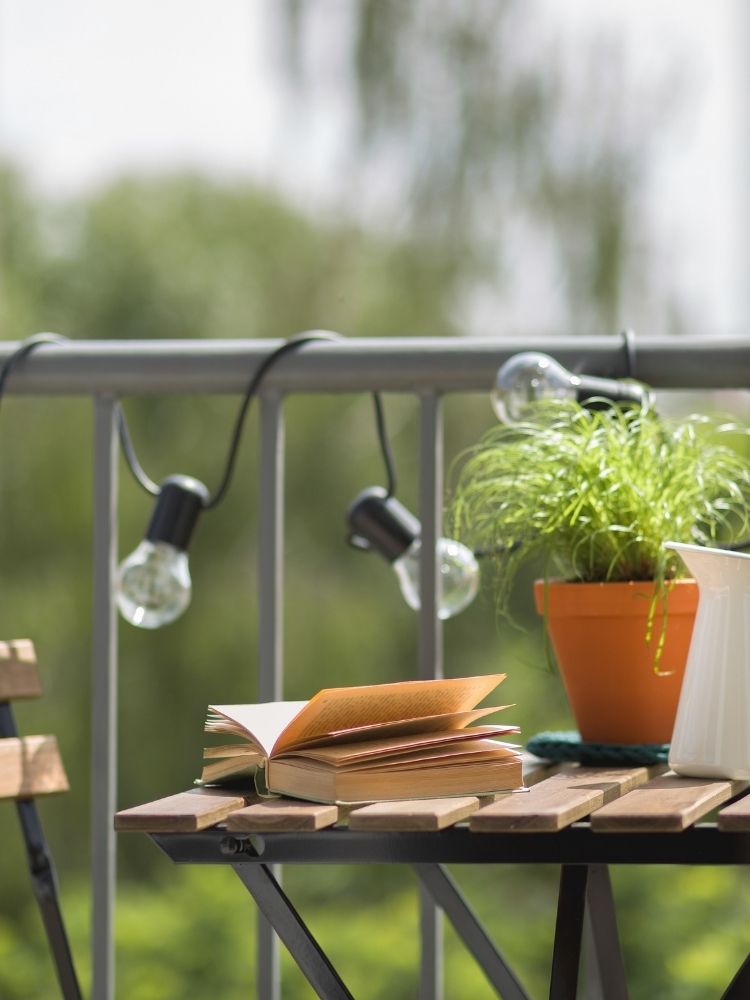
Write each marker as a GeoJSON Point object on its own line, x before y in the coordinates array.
{"type": "Point", "coordinates": [276, 907]}
{"type": "Point", "coordinates": [446, 894]}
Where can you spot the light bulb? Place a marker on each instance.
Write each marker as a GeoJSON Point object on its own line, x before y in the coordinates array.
{"type": "Point", "coordinates": [525, 379]}
{"type": "Point", "coordinates": [153, 583]}
{"type": "Point", "coordinates": [458, 580]}
{"type": "Point", "coordinates": [530, 377]}
{"type": "Point", "coordinates": [378, 521]}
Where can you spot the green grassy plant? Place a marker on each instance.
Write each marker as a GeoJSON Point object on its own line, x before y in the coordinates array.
{"type": "Point", "coordinates": [594, 494]}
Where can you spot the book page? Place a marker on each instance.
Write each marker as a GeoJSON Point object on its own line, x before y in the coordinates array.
{"type": "Point", "coordinates": [404, 727]}
{"type": "Point", "coordinates": [260, 724]}
{"type": "Point", "coordinates": [473, 751]}
{"type": "Point", "coordinates": [233, 750]}
{"type": "Point", "coordinates": [335, 709]}
{"type": "Point", "coordinates": [380, 749]}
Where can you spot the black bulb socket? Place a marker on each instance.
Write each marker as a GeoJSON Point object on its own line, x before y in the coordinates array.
{"type": "Point", "coordinates": [180, 501]}
{"type": "Point", "coordinates": [382, 523]}
{"type": "Point", "coordinates": [597, 393]}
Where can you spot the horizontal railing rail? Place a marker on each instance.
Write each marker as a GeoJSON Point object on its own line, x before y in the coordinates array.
{"type": "Point", "coordinates": [413, 364]}
{"type": "Point", "coordinates": [426, 367]}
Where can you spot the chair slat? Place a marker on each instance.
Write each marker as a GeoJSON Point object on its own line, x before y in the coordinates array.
{"type": "Point", "coordinates": [557, 801]}
{"type": "Point", "coordinates": [19, 677]}
{"type": "Point", "coordinates": [186, 812]}
{"type": "Point", "coordinates": [668, 804]}
{"type": "Point", "coordinates": [282, 814]}
{"type": "Point", "coordinates": [31, 766]}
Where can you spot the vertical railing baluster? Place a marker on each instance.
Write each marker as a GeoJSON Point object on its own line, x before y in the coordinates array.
{"type": "Point", "coordinates": [104, 699]}
{"type": "Point", "coordinates": [430, 649]}
{"type": "Point", "coordinates": [270, 627]}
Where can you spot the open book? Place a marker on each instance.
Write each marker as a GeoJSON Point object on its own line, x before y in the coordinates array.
{"type": "Point", "coordinates": [412, 739]}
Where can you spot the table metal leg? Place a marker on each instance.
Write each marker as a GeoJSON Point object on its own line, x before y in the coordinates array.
{"type": "Point", "coordinates": [611, 982]}
{"type": "Point", "coordinates": [304, 949]}
{"type": "Point", "coordinates": [566, 956]}
{"type": "Point", "coordinates": [739, 988]}
{"type": "Point", "coordinates": [446, 894]}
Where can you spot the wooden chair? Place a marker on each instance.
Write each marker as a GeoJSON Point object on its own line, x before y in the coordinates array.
{"type": "Point", "coordinates": [31, 766]}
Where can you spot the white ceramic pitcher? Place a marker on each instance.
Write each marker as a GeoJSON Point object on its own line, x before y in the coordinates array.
{"type": "Point", "coordinates": [711, 735]}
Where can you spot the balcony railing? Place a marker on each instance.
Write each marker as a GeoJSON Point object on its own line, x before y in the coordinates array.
{"type": "Point", "coordinates": [426, 368]}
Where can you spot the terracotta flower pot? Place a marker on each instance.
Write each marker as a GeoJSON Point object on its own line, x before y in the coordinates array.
{"type": "Point", "coordinates": [598, 633]}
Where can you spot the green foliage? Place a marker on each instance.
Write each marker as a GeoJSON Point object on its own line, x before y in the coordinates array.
{"type": "Point", "coordinates": [594, 494]}
{"type": "Point", "coordinates": [189, 931]}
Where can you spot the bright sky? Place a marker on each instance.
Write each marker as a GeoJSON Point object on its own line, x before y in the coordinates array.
{"type": "Point", "coordinates": [91, 88]}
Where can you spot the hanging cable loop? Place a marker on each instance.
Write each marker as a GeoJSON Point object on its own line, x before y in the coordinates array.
{"type": "Point", "coordinates": [29, 345]}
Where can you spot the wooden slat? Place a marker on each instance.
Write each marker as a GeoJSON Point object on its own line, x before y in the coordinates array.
{"type": "Point", "coordinates": [667, 804]}
{"type": "Point", "coordinates": [439, 813]}
{"type": "Point", "coordinates": [31, 766]}
{"type": "Point", "coordinates": [535, 769]}
{"type": "Point", "coordinates": [736, 816]}
{"type": "Point", "coordinates": [185, 812]}
{"type": "Point", "coordinates": [414, 814]}
{"type": "Point", "coordinates": [282, 814]}
{"type": "Point", "coordinates": [557, 801]}
{"type": "Point", "coordinates": [18, 673]}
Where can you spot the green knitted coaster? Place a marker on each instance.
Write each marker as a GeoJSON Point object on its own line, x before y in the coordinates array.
{"type": "Point", "coordinates": [568, 746]}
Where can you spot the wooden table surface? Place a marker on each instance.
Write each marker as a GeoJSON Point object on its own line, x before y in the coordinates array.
{"type": "Point", "coordinates": [612, 800]}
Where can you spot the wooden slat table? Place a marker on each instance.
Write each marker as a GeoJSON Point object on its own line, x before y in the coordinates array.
{"type": "Point", "coordinates": [580, 818]}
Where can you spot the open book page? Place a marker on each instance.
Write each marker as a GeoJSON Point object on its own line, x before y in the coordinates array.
{"type": "Point", "coordinates": [259, 724]}
{"type": "Point", "coordinates": [336, 709]}
{"type": "Point", "coordinates": [377, 749]}
{"type": "Point", "coordinates": [467, 751]}
{"type": "Point", "coordinates": [404, 727]}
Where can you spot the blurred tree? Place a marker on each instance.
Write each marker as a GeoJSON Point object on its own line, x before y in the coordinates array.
{"type": "Point", "coordinates": [506, 160]}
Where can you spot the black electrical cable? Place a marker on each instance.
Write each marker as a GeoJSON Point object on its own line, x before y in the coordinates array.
{"type": "Point", "coordinates": [385, 445]}
{"type": "Point", "coordinates": [293, 344]}
{"type": "Point", "coordinates": [131, 459]}
{"type": "Point", "coordinates": [126, 443]}
{"type": "Point", "coordinates": [27, 347]}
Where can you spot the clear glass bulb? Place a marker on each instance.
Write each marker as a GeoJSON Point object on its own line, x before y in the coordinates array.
{"type": "Point", "coordinates": [153, 585]}
{"type": "Point", "coordinates": [458, 576]}
{"type": "Point", "coordinates": [528, 378]}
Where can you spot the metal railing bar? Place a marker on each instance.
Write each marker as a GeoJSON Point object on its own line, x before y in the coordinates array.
{"type": "Point", "coordinates": [270, 631]}
{"type": "Point", "coordinates": [271, 549]}
{"type": "Point", "coordinates": [430, 514]}
{"type": "Point", "coordinates": [430, 656]}
{"type": "Point", "coordinates": [431, 969]}
{"type": "Point", "coordinates": [104, 698]}
{"type": "Point", "coordinates": [408, 364]}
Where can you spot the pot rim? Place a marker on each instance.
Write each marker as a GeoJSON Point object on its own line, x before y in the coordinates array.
{"type": "Point", "coordinates": [565, 598]}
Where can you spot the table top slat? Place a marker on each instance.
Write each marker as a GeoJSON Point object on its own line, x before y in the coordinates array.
{"type": "Point", "coordinates": [440, 813]}
{"type": "Point", "coordinates": [559, 800]}
{"type": "Point", "coordinates": [667, 804]}
{"type": "Point", "coordinates": [185, 812]}
{"type": "Point", "coordinates": [414, 814]}
{"type": "Point", "coordinates": [736, 816]}
{"type": "Point", "coordinates": [282, 814]}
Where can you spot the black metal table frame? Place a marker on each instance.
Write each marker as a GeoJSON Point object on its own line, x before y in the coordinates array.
{"type": "Point", "coordinates": [584, 858]}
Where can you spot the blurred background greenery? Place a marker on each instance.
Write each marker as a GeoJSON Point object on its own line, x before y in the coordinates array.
{"type": "Point", "coordinates": [501, 165]}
